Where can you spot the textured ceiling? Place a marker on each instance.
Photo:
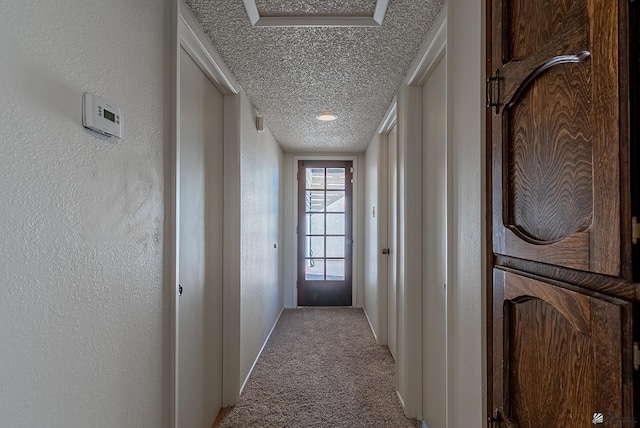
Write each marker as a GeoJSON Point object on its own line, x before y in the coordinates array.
{"type": "Point", "coordinates": [291, 74]}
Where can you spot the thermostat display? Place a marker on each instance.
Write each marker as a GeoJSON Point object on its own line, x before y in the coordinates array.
{"type": "Point", "coordinates": [109, 115]}
{"type": "Point", "coordinates": [101, 116]}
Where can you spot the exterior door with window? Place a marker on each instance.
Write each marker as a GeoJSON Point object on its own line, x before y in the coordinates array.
{"type": "Point", "coordinates": [325, 207]}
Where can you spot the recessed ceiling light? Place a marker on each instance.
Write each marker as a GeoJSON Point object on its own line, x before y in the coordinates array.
{"type": "Point", "coordinates": [326, 117]}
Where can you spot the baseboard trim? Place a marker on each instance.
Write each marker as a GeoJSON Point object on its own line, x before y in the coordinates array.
{"type": "Point", "coordinates": [375, 336]}
{"type": "Point", "coordinates": [244, 383]}
{"type": "Point", "coordinates": [401, 400]}
{"type": "Point", "coordinates": [221, 414]}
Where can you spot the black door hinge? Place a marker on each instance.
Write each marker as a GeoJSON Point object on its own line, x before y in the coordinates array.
{"type": "Point", "coordinates": [494, 82]}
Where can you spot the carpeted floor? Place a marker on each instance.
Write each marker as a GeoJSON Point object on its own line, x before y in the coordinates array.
{"type": "Point", "coordinates": [321, 368]}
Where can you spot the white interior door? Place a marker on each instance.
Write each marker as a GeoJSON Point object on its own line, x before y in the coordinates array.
{"type": "Point", "coordinates": [392, 239]}
{"type": "Point", "coordinates": [434, 228]}
{"type": "Point", "coordinates": [200, 242]}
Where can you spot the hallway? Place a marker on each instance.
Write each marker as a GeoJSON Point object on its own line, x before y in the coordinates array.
{"type": "Point", "coordinates": [91, 224]}
{"type": "Point", "coordinates": [321, 368]}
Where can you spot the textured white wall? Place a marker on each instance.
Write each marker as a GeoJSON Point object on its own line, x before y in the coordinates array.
{"type": "Point", "coordinates": [371, 239]}
{"type": "Point", "coordinates": [81, 217]}
{"type": "Point", "coordinates": [261, 292]}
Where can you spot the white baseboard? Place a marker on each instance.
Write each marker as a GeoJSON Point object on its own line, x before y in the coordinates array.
{"type": "Point", "coordinates": [400, 398]}
{"type": "Point", "coordinates": [244, 383]}
{"type": "Point", "coordinates": [375, 336]}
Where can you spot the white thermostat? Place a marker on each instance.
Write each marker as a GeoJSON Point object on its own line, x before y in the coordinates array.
{"type": "Point", "coordinates": [101, 116]}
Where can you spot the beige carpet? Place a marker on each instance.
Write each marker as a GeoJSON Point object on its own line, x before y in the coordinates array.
{"type": "Point", "coordinates": [321, 368]}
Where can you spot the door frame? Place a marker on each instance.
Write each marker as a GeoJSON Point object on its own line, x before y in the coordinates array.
{"type": "Point", "coordinates": [188, 35]}
{"type": "Point", "coordinates": [410, 340]}
{"type": "Point", "coordinates": [357, 236]}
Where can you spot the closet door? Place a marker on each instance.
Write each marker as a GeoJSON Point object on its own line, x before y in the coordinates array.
{"type": "Point", "coordinates": [559, 355]}
{"type": "Point", "coordinates": [560, 350]}
{"type": "Point", "coordinates": [555, 132]}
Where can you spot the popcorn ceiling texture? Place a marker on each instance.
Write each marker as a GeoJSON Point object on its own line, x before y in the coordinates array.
{"type": "Point", "coordinates": [292, 74]}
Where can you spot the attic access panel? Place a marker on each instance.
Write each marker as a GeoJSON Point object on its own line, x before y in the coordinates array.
{"type": "Point", "coordinates": [316, 20]}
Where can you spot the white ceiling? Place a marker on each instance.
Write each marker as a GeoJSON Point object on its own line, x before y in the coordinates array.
{"type": "Point", "coordinates": [291, 74]}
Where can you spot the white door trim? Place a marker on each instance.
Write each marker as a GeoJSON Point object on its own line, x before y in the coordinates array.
{"type": "Point", "coordinates": [390, 118]}
{"type": "Point", "coordinates": [409, 111]}
{"type": "Point", "coordinates": [357, 244]}
{"type": "Point", "coordinates": [190, 37]}
{"type": "Point", "coordinates": [386, 126]}
{"type": "Point", "coordinates": [194, 40]}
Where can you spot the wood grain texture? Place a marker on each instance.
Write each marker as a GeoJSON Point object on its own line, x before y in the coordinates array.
{"type": "Point", "coordinates": [562, 171]}
{"type": "Point", "coordinates": [568, 43]}
{"type": "Point", "coordinates": [488, 224]}
{"type": "Point", "coordinates": [605, 234]}
{"type": "Point", "coordinates": [550, 194]}
{"type": "Point", "coordinates": [551, 368]}
{"type": "Point", "coordinates": [562, 354]}
{"type": "Point", "coordinates": [550, 182]}
{"type": "Point", "coordinates": [607, 351]}
{"type": "Point", "coordinates": [630, 70]}
{"type": "Point", "coordinates": [524, 38]}
{"type": "Point", "coordinates": [628, 41]}
{"type": "Point", "coordinates": [571, 252]}
{"type": "Point", "coordinates": [587, 281]}
{"type": "Point", "coordinates": [575, 307]}
{"type": "Point", "coordinates": [499, 347]}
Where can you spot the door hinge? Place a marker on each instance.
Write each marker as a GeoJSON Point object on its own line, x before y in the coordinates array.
{"type": "Point", "coordinates": [498, 420]}
{"type": "Point", "coordinates": [493, 82]}
{"type": "Point", "coordinates": [635, 230]}
{"type": "Point", "coordinates": [351, 170]}
{"type": "Point", "coordinates": [493, 422]}
{"type": "Point", "coordinates": [636, 356]}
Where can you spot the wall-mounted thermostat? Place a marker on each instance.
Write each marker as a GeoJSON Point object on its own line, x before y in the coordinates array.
{"type": "Point", "coordinates": [101, 116]}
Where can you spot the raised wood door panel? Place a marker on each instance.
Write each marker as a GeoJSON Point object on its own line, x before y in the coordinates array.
{"type": "Point", "coordinates": [555, 138]}
{"type": "Point", "coordinates": [559, 355]}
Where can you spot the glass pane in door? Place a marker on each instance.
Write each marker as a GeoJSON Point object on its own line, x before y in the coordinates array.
{"type": "Point", "coordinates": [314, 270]}
{"type": "Point", "coordinates": [335, 270]}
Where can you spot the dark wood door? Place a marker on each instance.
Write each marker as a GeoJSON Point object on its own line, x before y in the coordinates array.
{"type": "Point", "coordinates": [325, 236]}
{"type": "Point", "coordinates": [561, 296]}
{"type": "Point", "coordinates": [556, 132]}
{"type": "Point", "coordinates": [561, 357]}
